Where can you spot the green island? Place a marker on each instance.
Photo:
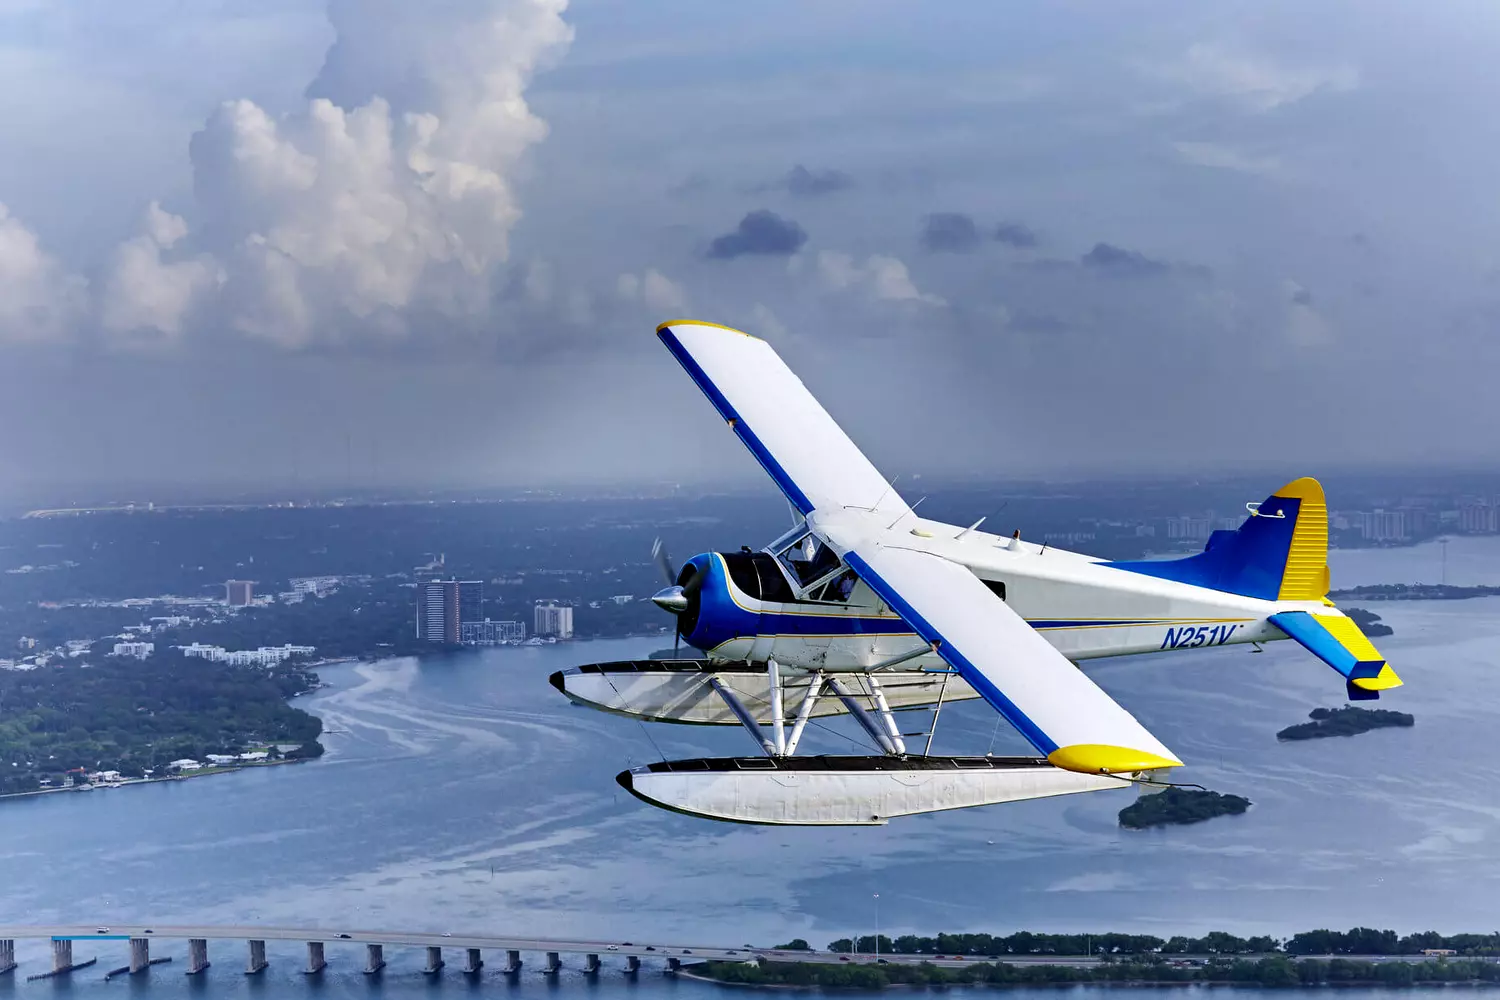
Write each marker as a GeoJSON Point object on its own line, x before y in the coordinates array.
{"type": "Point", "coordinates": [1310, 958]}
{"type": "Point", "coordinates": [1413, 592]}
{"type": "Point", "coordinates": [1369, 623]}
{"type": "Point", "coordinates": [132, 719]}
{"type": "Point", "coordinates": [1177, 806]}
{"type": "Point", "coordinates": [1351, 720]}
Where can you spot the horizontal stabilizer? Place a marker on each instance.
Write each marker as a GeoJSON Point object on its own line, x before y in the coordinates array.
{"type": "Point", "coordinates": [1338, 642]}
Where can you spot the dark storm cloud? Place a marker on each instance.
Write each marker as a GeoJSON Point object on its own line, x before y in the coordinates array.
{"type": "Point", "coordinates": [804, 183]}
{"type": "Point", "coordinates": [950, 232]}
{"type": "Point", "coordinates": [1015, 234]}
{"type": "Point", "coordinates": [1301, 296]}
{"type": "Point", "coordinates": [1106, 258]}
{"type": "Point", "coordinates": [759, 232]}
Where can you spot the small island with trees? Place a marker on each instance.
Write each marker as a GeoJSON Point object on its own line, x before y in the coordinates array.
{"type": "Point", "coordinates": [1351, 720]}
{"type": "Point", "coordinates": [1178, 806]}
{"type": "Point", "coordinates": [1369, 623]}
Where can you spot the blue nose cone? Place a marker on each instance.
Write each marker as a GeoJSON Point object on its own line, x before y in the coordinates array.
{"type": "Point", "coordinates": [713, 616]}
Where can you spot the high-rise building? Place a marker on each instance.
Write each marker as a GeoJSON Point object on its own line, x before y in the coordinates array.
{"type": "Point", "coordinates": [555, 620]}
{"type": "Point", "coordinates": [238, 593]}
{"type": "Point", "coordinates": [443, 606]}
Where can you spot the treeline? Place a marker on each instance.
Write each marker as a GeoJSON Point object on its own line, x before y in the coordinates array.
{"type": "Point", "coordinates": [1274, 971]}
{"type": "Point", "coordinates": [133, 715]}
{"type": "Point", "coordinates": [1358, 941]}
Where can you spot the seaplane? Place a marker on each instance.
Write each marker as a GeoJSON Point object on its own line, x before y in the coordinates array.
{"type": "Point", "coordinates": [868, 610]}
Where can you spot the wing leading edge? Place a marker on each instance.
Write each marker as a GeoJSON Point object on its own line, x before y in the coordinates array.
{"type": "Point", "coordinates": [1050, 701]}
{"type": "Point", "coordinates": [784, 426]}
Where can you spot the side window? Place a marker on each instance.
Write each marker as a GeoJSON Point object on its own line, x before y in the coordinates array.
{"type": "Point", "coordinates": [997, 587]}
{"type": "Point", "coordinates": [838, 589]}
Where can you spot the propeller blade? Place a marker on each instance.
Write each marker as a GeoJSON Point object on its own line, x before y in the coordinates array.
{"type": "Point", "coordinates": [663, 562]}
{"type": "Point", "coordinates": [695, 582]}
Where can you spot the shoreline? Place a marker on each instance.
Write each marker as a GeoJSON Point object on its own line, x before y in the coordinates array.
{"type": "Point", "coordinates": [128, 782]}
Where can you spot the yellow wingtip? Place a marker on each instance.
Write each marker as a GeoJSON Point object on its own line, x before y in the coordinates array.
{"type": "Point", "coordinates": [703, 322]}
{"type": "Point", "coordinates": [1097, 758]}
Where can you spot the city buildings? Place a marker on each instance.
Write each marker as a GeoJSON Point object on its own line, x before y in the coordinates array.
{"type": "Point", "coordinates": [443, 606]}
{"type": "Point", "coordinates": [553, 620]}
{"type": "Point", "coordinates": [239, 593]}
{"type": "Point", "coordinates": [139, 650]}
{"type": "Point", "coordinates": [488, 633]}
{"type": "Point", "coordinates": [265, 656]}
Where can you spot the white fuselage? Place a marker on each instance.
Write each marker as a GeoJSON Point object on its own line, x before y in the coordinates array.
{"type": "Point", "coordinates": [1084, 607]}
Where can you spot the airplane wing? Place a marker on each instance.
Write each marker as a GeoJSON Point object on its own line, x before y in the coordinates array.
{"type": "Point", "coordinates": [786, 429]}
{"type": "Point", "coordinates": [1050, 701]}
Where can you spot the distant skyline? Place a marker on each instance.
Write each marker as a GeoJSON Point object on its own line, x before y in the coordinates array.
{"type": "Point", "coordinates": [281, 245]}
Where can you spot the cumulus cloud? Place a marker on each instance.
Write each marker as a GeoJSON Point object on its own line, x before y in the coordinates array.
{"type": "Point", "coordinates": [1257, 82]}
{"type": "Point", "coordinates": [1015, 234]}
{"type": "Point", "coordinates": [949, 232]}
{"type": "Point", "coordinates": [144, 291]}
{"type": "Point", "coordinates": [389, 199]}
{"type": "Point", "coordinates": [654, 290]}
{"type": "Point", "coordinates": [884, 279]}
{"type": "Point", "coordinates": [39, 299]}
{"type": "Point", "coordinates": [760, 232]}
{"type": "Point", "coordinates": [805, 183]}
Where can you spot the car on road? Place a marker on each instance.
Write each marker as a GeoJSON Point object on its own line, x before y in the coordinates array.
{"type": "Point", "coordinates": [649, 947]}
{"type": "Point", "coordinates": [614, 947]}
{"type": "Point", "coordinates": [344, 936]}
{"type": "Point", "coordinates": [882, 961]}
{"type": "Point", "coordinates": [102, 930]}
{"type": "Point", "coordinates": [687, 951]}
{"type": "Point", "coordinates": [447, 933]}
{"type": "Point", "coordinates": [843, 958]}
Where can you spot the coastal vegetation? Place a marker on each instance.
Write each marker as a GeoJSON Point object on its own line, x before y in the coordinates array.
{"type": "Point", "coordinates": [1347, 721]}
{"type": "Point", "coordinates": [1176, 806]}
{"type": "Point", "coordinates": [1270, 971]}
{"type": "Point", "coordinates": [133, 716]}
{"type": "Point", "coordinates": [1413, 592]}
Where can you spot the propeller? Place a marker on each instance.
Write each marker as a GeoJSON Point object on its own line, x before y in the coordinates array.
{"type": "Point", "coordinates": [676, 597]}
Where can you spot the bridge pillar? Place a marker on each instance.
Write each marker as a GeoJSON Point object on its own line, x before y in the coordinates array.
{"type": "Point", "coordinates": [554, 963]}
{"type": "Point", "coordinates": [316, 963]}
{"type": "Point", "coordinates": [474, 963]}
{"type": "Point", "coordinates": [591, 965]}
{"type": "Point", "coordinates": [632, 965]}
{"type": "Point", "coordinates": [374, 958]}
{"type": "Point", "coordinates": [7, 955]}
{"type": "Point", "coordinates": [512, 963]}
{"type": "Point", "coordinates": [257, 960]}
{"type": "Point", "coordinates": [62, 955]}
{"type": "Point", "coordinates": [434, 960]}
{"type": "Point", "coordinates": [197, 955]}
{"type": "Point", "coordinates": [674, 965]}
{"type": "Point", "coordinates": [140, 955]}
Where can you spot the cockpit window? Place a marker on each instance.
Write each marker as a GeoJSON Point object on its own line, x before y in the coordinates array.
{"type": "Point", "coordinates": [807, 559]}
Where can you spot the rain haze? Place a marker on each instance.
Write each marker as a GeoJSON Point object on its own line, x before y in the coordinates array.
{"type": "Point", "coordinates": [396, 244]}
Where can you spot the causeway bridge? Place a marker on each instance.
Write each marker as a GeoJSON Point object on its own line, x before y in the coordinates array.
{"type": "Point", "coordinates": [141, 938]}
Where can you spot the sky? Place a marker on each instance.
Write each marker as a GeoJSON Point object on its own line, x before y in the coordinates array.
{"type": "Point", "coordinates": [426, 245]}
